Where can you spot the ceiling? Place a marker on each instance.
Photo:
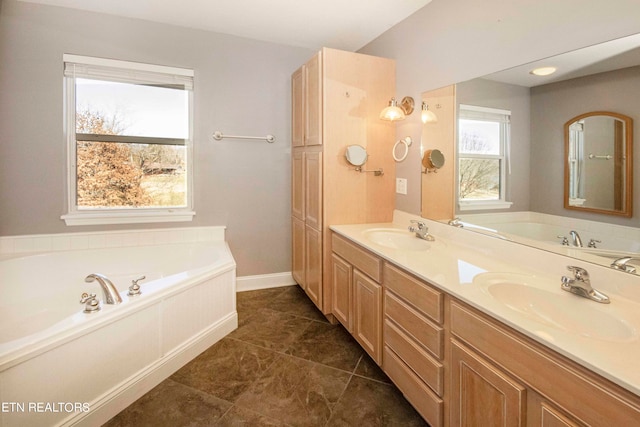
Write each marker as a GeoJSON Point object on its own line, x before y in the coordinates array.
{"type": "Point", "coordinates": [340, 24]}
{"type": "Point", "coordinates": [612, 55]}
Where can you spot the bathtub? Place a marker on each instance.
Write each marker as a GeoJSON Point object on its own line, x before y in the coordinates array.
{"type": "Point", "coordinates": [61, 366]}
{"type": "Point", "coordinates": [615, 240]}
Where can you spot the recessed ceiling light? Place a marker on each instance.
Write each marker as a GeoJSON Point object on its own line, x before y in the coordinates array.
{"type": "Point", "coordinates": [543, 71]}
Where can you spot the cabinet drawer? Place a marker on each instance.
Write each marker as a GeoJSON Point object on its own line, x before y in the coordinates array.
{"type": "Point", "coordinates": [428, 334]}
{"type": "Point", "coordinates": [426, 367]}
{"type": "Point", "coordinates": [359, 258]}
{"type": "Point", "coordinates": [426, 299]}
{"type": "Point", "coordinates": [417, 393]}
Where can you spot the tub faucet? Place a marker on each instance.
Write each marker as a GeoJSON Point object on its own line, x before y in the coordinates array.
{"type": "Point", "coordinates": [575, 238]}
{"type": "Point", "coordinates": [581, 285]}
{"type": "Point", "coordinates": [111, 294]}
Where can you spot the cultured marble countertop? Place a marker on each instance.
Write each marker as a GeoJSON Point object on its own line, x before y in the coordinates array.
{"type": "Point", "coordinates": [604, 338]}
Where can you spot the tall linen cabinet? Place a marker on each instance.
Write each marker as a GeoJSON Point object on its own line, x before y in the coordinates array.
{"type": "Point", "coordinates": [337, 97]}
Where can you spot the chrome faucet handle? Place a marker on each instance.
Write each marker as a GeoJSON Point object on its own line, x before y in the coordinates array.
{"type": "Point", "coordinates": [421, 224]}
{"type": "Point", "coordinates": [90, 301]}
{"type": "Point", "coordinates": [579, 273]}
{"type": "Point", "coordinates": [565, 241]}
{"type": "Point", "coordinates": [134, 289]}
{"type": "Point", "coordinates": [592, 243]}
{"type": "Point", "coordinates": [621, 264]}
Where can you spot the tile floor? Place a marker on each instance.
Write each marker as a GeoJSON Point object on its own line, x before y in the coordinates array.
{"type": "Point", "coordinates": [285, 365]}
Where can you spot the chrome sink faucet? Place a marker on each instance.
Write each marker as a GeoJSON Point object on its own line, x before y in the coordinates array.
{"type": "Point", "coordinates": [621, 264]}
{"type": "Point", "coordinates": [421, 230]}
{"type": "Point", "coordinates": [581, 285]}
{"type": "Point", "coordinates": [111, 294]}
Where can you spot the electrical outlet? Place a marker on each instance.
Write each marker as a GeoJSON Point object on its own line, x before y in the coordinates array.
{"type": "Point", "coordinates": [401, 185]}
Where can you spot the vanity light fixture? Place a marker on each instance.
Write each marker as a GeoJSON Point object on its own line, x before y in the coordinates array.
{"type": "Point", "coordinates": [543, 71]}
{"type": "Point", "coordinates": [394, 112]}
{"type": "Point", "coordinates": [427, 115]}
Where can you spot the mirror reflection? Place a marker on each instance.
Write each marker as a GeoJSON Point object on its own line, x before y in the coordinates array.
{"type": "Point", "coordinates": [598, 151]}
{"type": "Point", "coordinates": [525, 199]}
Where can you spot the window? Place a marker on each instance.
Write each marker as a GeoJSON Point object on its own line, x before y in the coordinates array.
{"type": "Point", "coordinates": [128, 128]}
{"type": "Point", "coordinates": [483, 142]}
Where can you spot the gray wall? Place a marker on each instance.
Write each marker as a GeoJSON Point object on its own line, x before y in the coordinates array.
{"type": "Point", "coordinates": [552, 106]}
{"type": "Point", "coordinates": [487, 93]}
{"type": "Point", "coordinates": [451, 41]}
{"type": "Point", "coordinates": [242, 87]}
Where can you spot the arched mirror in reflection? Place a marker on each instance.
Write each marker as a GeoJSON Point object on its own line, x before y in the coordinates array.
{"type": "Point", "coordinates": [598, 163]}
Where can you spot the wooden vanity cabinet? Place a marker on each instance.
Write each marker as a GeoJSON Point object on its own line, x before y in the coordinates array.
{"type": "Point", "coordinates": [494, 366]}
{"type": "Point", "coordinates": [414, 341]}
{"type": "Point", "coordinates": [357, 294]}
{"type": "Point", "coordinates": [336, 98]}
{"type": "Point", "coordinates": [458, 366]}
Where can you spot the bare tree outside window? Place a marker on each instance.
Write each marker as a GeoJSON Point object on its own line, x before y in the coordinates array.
{"type": "Point", "coordinates": [111, 174]}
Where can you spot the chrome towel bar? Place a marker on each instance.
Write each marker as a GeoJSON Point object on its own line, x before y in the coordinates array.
{"type": "Point", "coordinates": [217, 135]}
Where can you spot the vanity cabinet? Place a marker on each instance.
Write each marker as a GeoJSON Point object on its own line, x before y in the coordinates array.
{"type": "Point", "coordinates": [457, 365]}
{"type": "Point", "coordinates": [336, 99]}
{"type": "Point", "coordinates": [414, 341]}
{"type": "Point", "coordinates": [498, 369]}
{"type": "Point", "coordinates": [357, 294]}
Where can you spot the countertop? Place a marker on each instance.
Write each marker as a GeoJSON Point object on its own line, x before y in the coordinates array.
{"type": "Point", "coordinates": [604, 338]}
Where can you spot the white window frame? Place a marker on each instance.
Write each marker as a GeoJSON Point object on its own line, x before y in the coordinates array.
{"type": "Point", "coordinates": [127, 72]}
{"type": "Point", "coordinates": [503, 117]}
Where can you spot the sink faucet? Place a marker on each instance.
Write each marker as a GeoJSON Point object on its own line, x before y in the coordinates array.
{"type": "Point", "coordinates": [456, 222]}
{"type": "Point", "coordinates": [111, 295]}
{"type": "Point", "coordinates": [621, 264]}
{"type": "Point", "coordinates": [581, 285]}
{"type": "Point", "coordinates": [421, 230]}
{"type": "Point", "coordinates": [575, 238]}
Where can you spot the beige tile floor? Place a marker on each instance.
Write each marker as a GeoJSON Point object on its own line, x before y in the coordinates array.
{"type": "Point", "coordinates": [285, 365]}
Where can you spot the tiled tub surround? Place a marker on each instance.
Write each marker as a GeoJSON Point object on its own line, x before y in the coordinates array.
{"type": "Point", "coordinates": [458, 256]}
{"type": "Point", "coordinates": [53, 352]}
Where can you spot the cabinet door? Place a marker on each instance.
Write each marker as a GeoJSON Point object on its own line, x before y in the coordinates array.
{"type": "Point", "coordinates": [367, 315]}
{"type": "Point", "coordinates": [483, 395]}
{"type": "Point", "coordinates": [297, 185]}
{"type": "Point", "coordinates": [297, 107]}
{"type": "Point", "coordinates": [543, 413]}
{"type": "Point", "coordinates": [313, 189]}
{"type": "Point", "coordinates": [313, 100]}
{"type": "Point", "coordinates": [313, 265]}
{"type": "Point", "coordinates": [342, 291]}
{"type": "Point", "coordinates": [298, 252]}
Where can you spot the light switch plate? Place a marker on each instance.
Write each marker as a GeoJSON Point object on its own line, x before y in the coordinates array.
{"type": "Point", "coordinates": [401, 185]}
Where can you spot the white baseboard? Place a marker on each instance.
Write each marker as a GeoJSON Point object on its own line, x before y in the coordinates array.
{"type": "Point", "coordinates": [264, 281]}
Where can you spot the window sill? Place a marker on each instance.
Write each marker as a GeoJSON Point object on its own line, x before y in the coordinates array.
{"type": "Point", "coordinates": [478, 205]}
{"type": "Point", "coordinates": [127, 217]}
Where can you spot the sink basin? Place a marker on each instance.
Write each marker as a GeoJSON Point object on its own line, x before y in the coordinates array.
{"type": "Point", "coordinates": [396, 239]}
{"type": "Point", "coordinates": [585, 318]}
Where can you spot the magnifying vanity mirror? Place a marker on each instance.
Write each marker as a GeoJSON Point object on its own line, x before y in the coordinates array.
{"type": "Point", "coordinates": [598, 169]}
{"type": "Point", "coordinates": [432, 160]}
{"type": "Point", "coordinates": [356, 155]}
{"type": "Point", "coordinates": [565, 162]}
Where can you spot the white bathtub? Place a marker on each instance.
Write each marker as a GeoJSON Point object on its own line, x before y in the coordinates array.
{"type": "Point", "coordinates": [615, 240]}
{"type": "Point", "coordinates": [60, 366]}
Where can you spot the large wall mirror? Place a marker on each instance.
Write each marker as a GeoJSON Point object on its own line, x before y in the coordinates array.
{"type": "Point", "coordinates": [530, 188]}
